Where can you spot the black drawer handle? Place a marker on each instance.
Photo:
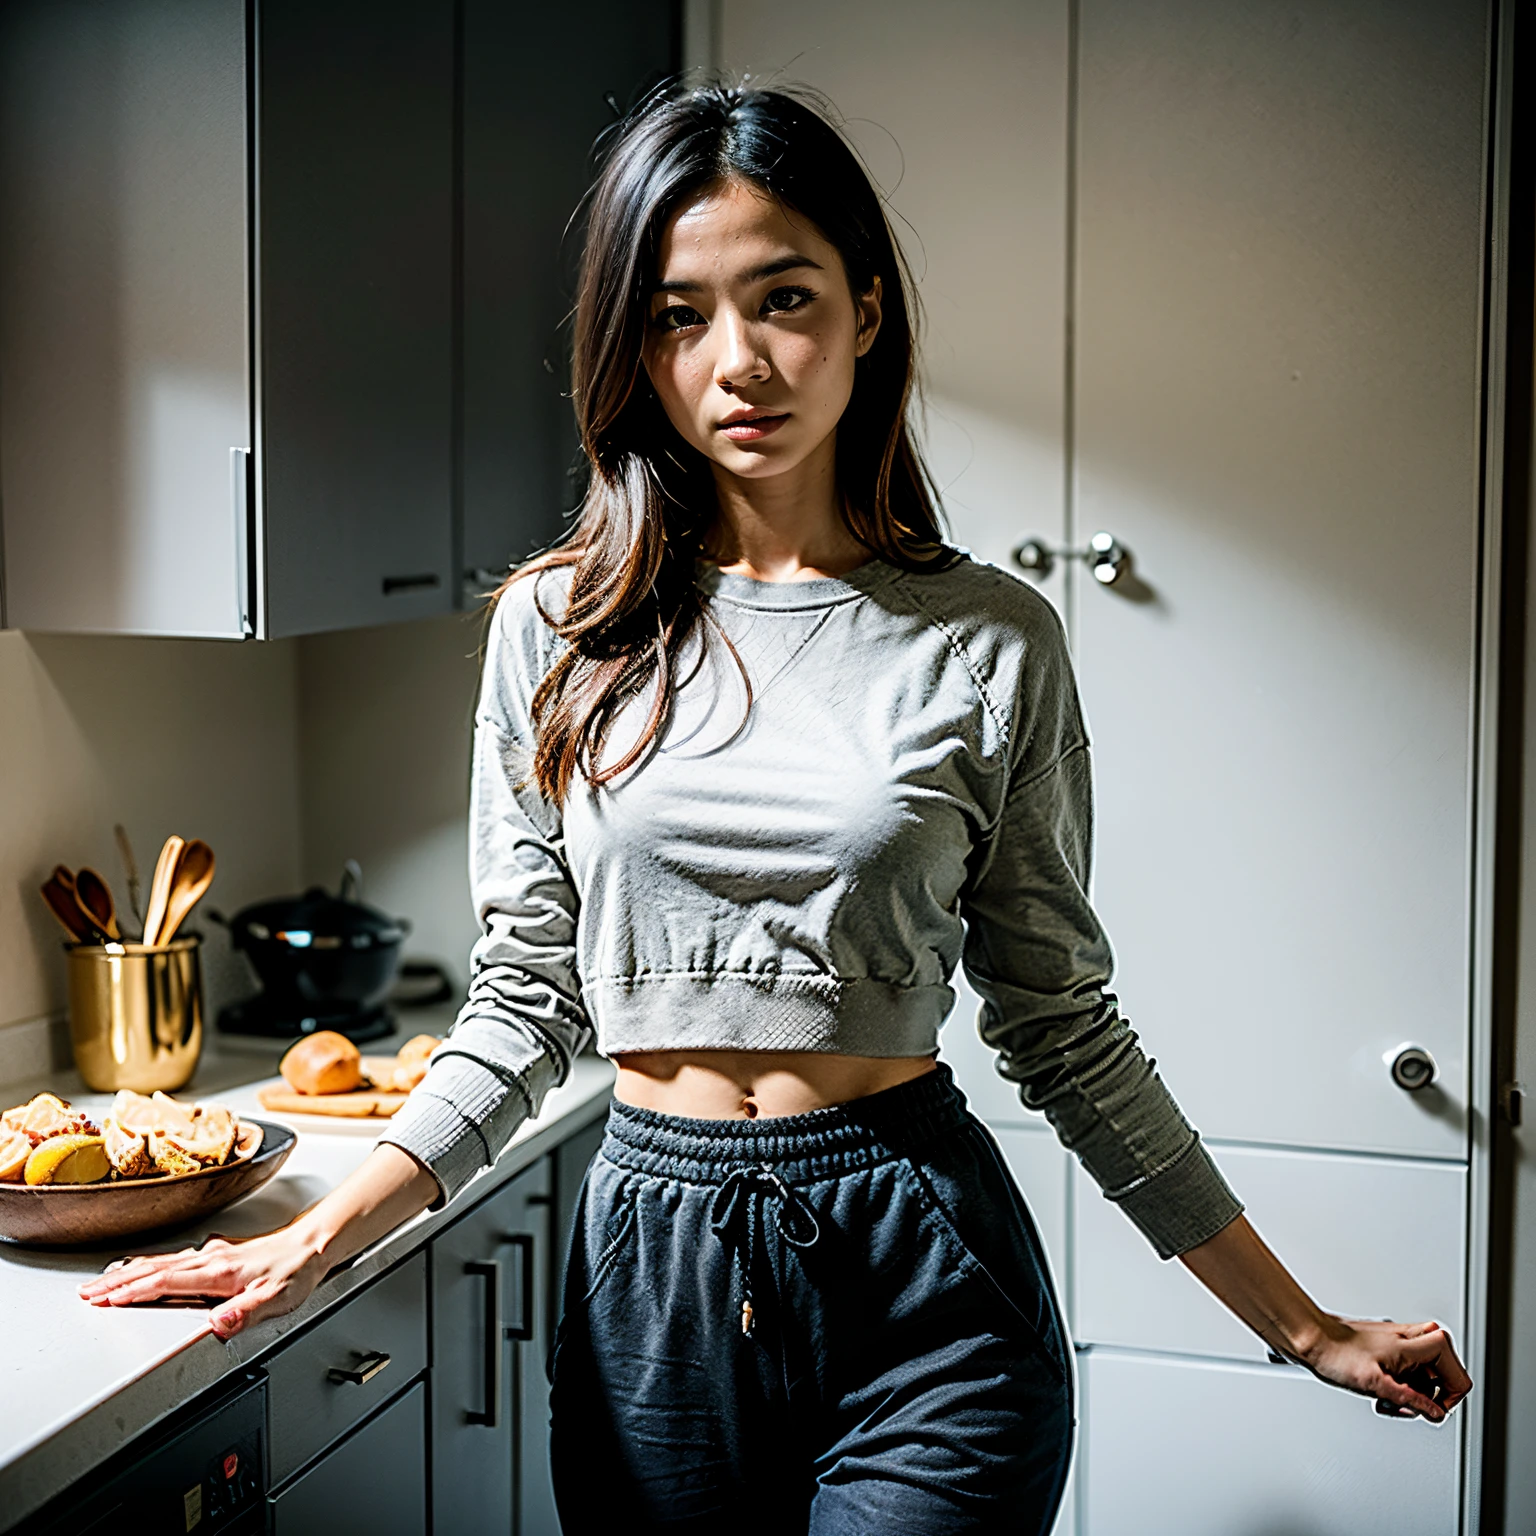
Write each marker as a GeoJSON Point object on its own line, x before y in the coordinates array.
{"type": "Point", "coordinates": [523, 1242]}
{"type": "Point", "coordinates": [422, 583]}
{"type": "Point", "coordinates": [363, 1372]}
{"type": "Point", "coordinates": [490, 1271]}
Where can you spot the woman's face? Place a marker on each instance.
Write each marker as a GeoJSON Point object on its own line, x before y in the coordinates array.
{"type": "Point", "coordinates": [753, 332]}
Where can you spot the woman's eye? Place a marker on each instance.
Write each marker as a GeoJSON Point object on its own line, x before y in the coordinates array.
{"type": "Point", "coordinates": [675, 317]}
{"type": "Point", "coordinates": [784, 301]}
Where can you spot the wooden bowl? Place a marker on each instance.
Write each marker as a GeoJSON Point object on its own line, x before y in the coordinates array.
{"type": "Point", "coordinates": [83, 1215]}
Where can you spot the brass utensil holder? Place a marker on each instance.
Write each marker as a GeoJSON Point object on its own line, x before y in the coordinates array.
{"type": "Point", "coordinates": [136, 1014]}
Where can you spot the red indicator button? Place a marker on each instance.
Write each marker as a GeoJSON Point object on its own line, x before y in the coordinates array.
{"type": "Point", "coordinates": [231, 1465]}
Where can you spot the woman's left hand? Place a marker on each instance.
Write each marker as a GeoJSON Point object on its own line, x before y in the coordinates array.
{"type": "Point", "coordinates": [1409, 1368]}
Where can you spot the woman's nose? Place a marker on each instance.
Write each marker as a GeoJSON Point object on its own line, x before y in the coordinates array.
{"type": "Point", "coordinates": [739, 360]}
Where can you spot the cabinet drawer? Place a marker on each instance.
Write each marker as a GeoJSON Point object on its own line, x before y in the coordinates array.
{"type": "Point", "coordinates": [374, 1482]}
{"type": "Point", "coordinates": [309, 1408]}
{"type": "Point", "coordinates": [1207, 1448]}
{"type": "Point", "coordinates": [1367, 1237]}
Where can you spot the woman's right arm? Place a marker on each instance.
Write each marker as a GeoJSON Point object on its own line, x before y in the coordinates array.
{"type": "Point", "coordinates": [267, 1276]}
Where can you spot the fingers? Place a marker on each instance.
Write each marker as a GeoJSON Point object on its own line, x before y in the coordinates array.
{"type": "Point", "coordinates": [1433, 1352]}
{"type": "Point", "coordinates": [190, 1273]}
{"type": "Point", "coordinates": [1401, 1396]}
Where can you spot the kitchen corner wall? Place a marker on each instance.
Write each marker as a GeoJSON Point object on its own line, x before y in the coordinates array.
{"type": "Point", "coordinates": [190, 736]}
{"type": "Point", "coordinates": [288, 757]}
{"type": "Point", "coordinates": [385, 720]}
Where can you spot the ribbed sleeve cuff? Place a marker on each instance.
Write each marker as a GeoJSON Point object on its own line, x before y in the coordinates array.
{"type": "Point", "coordinates": [1183, 1205]}
{"type": "Point", "coordinates": [456, 1121]}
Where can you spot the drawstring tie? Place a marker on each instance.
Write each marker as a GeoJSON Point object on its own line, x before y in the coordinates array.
{"type": "Point", "coordinates": [737, 1219]}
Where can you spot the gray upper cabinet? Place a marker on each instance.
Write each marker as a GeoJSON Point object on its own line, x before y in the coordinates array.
{"type": "Point", "coordinates": [550, 76]}
{"type": "Point", "coordinates": [283, 286]}
{"type": "Point", "coordinates": [226, 313]}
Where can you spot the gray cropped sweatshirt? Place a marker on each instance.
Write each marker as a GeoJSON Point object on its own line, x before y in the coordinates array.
{"type": "Point", "coordinates": [908, 789]}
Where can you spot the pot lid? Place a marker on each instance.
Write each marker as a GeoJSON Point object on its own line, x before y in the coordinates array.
{"type": "Point", "coordinates": [318, 920]}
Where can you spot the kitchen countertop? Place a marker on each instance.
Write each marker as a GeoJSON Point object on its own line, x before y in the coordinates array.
{"type": "Point", "coordinates": [77, 1382]}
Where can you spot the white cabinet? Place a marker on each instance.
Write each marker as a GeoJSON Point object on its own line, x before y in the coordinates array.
{"type": "Point", "coordinates": [1366, 1236]}
{"type": "Point", "coordinates": [1185, 1448]}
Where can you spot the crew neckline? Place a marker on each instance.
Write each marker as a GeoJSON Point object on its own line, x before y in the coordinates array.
{"type": "Point", "coordinates": [817, 592]}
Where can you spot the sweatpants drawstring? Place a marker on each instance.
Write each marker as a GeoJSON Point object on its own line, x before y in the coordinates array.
{"type": "Point", "coordinates": [737, 1215]}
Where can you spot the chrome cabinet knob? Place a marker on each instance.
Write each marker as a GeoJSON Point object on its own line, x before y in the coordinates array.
{"type": "Point", "coordinates": [1105, 556]}
{"type": "Point", "coordinates": [1412, 1067]}
{"type": "Point", "coordinates": [1037, 558]}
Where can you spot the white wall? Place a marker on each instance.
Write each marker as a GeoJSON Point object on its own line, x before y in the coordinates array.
{"type": "Point", "coordinates": [385, 718]}
{"type": "Point", "coordinates": [194, 737]}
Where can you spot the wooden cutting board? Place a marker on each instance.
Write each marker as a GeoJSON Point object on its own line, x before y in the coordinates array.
{"type": "Point", "coordinates": [369, 1104]}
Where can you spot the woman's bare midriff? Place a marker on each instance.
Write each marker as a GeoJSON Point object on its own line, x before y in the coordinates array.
{"type": "Point", "coordinates": [746, 1085]}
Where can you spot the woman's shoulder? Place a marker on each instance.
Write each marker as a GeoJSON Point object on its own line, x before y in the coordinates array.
{"type": "Point", "coordinates": [985, 606]}
{"type": "Point", "coordinates": [521, 645]}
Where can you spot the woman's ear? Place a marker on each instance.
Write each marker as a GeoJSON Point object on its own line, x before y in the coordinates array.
{"type": "Point", "coordinates": [867, 310]}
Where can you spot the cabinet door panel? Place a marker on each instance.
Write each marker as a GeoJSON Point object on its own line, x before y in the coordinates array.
{"type": "Point", "coordinates": [1368, 1237]}
{"type": "Point", "coordinates": [527, 162]}
{"type": "Point", "coordinates": [374, 1482]}
{"type": "Point", "coordinates": [490, 1410]}
{"type": "Point", "coordinates": [1185, 1448]}
{"type": "Point", "coordinates": [123, 314]}
{"type": "Point", "coordinates": [1280, 250]}
{"type": "Point", "coordinates": [355, 234]}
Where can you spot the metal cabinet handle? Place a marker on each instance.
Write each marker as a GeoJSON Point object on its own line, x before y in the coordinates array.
{"type": "Point", "coordinates": [1104, 555]}
{"type": "Point", "coordinates": [523, 1242]}
{"type": "Point", "coordinates": [1412, 1067]}
{"type": "Point", "coordinates": [363, 1372]}
{"type": "Point", "coordinates": [490, 1271]}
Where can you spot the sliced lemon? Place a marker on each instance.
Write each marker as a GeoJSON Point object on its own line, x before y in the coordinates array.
{"type": "Point", "coordinates": [68, 1160]}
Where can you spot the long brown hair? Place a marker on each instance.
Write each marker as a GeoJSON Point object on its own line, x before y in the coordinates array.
{"type": "Point", "coordinates": [632, 600]}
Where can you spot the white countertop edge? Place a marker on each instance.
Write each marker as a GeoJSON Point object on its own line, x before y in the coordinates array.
{"type": "Point", "coordinates": [37, 1469]}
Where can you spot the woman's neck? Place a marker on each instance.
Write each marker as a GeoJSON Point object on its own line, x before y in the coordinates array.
{"type": "Point", "coordinates": [784, 528]}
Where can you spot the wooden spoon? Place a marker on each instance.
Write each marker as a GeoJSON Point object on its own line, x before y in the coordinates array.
{"type": "Point", "coordinates": [160, 888]}
{"type": "Point", "coordinates": [59, 892]}
{"type": "Point", "coordinates": [95, 898]}
{"type": "Point", "coordinates": [194, 874]}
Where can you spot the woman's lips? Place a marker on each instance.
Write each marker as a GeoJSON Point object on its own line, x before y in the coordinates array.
{"type": "Point", "coordinates": [750, 431]}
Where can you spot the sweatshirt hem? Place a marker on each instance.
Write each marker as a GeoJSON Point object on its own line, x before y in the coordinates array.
{"type": "Point", "coordinates": [779, 1011]}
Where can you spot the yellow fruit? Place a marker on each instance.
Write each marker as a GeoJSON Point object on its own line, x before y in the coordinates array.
{"type": "Point", "coordinates": [68, 1160]}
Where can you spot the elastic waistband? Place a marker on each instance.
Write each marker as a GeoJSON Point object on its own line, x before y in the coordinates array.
{"type": "Point", "coordinates": [823, 1144]}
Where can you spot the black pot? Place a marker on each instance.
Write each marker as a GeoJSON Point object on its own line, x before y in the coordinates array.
{"type": "Point", "coordinates": [317, 951]}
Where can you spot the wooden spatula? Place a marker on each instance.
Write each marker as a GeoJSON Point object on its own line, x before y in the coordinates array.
{"type": "Point", "coordinates": [95, 898]}
{"type": "Point", "coordinates": [194, 874]}
{"type": "Point", "coordinates": [160, 888]}
{"type": "Point", "coordinates": [59, 892]}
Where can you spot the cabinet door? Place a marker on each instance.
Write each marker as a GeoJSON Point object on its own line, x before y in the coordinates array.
{"type": "Point", "coordinates": [355, 152]}
{"type": "Point", "coordinates": [376, 1481]}
{"type": "Point", "coordinates": [527, 162]}
{"type": "Point", "coordinates": [489, 1393]}
{"type": "Point", "coordinates": [123, 315]}
{"type": "Point", "coordinates": [1179, 1448]}
{"type": "Point", "coordinates": [1280, 250]}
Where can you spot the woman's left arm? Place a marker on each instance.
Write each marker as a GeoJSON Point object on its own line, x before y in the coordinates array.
{"type": "Point", "coordinates": [1409, 1368]}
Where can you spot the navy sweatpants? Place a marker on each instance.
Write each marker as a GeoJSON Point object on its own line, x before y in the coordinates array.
{"type": "Point", "coordinates": [835, 1322]}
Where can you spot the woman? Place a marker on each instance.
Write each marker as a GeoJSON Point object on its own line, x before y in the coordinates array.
{"type": "Point", "coordinates": [752, 742]}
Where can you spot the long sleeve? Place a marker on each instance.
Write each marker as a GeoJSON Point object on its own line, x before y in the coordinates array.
{"type": "Point", "coordinates": [1041, 962]}
{"type": "Point", "coordinates": [523, 1022]}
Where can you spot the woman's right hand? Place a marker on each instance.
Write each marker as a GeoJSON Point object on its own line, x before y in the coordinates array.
{"type": "Point", "coordinates": [257, 1278]}
{"type": "Point", "coordinates": [266, 1276]}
